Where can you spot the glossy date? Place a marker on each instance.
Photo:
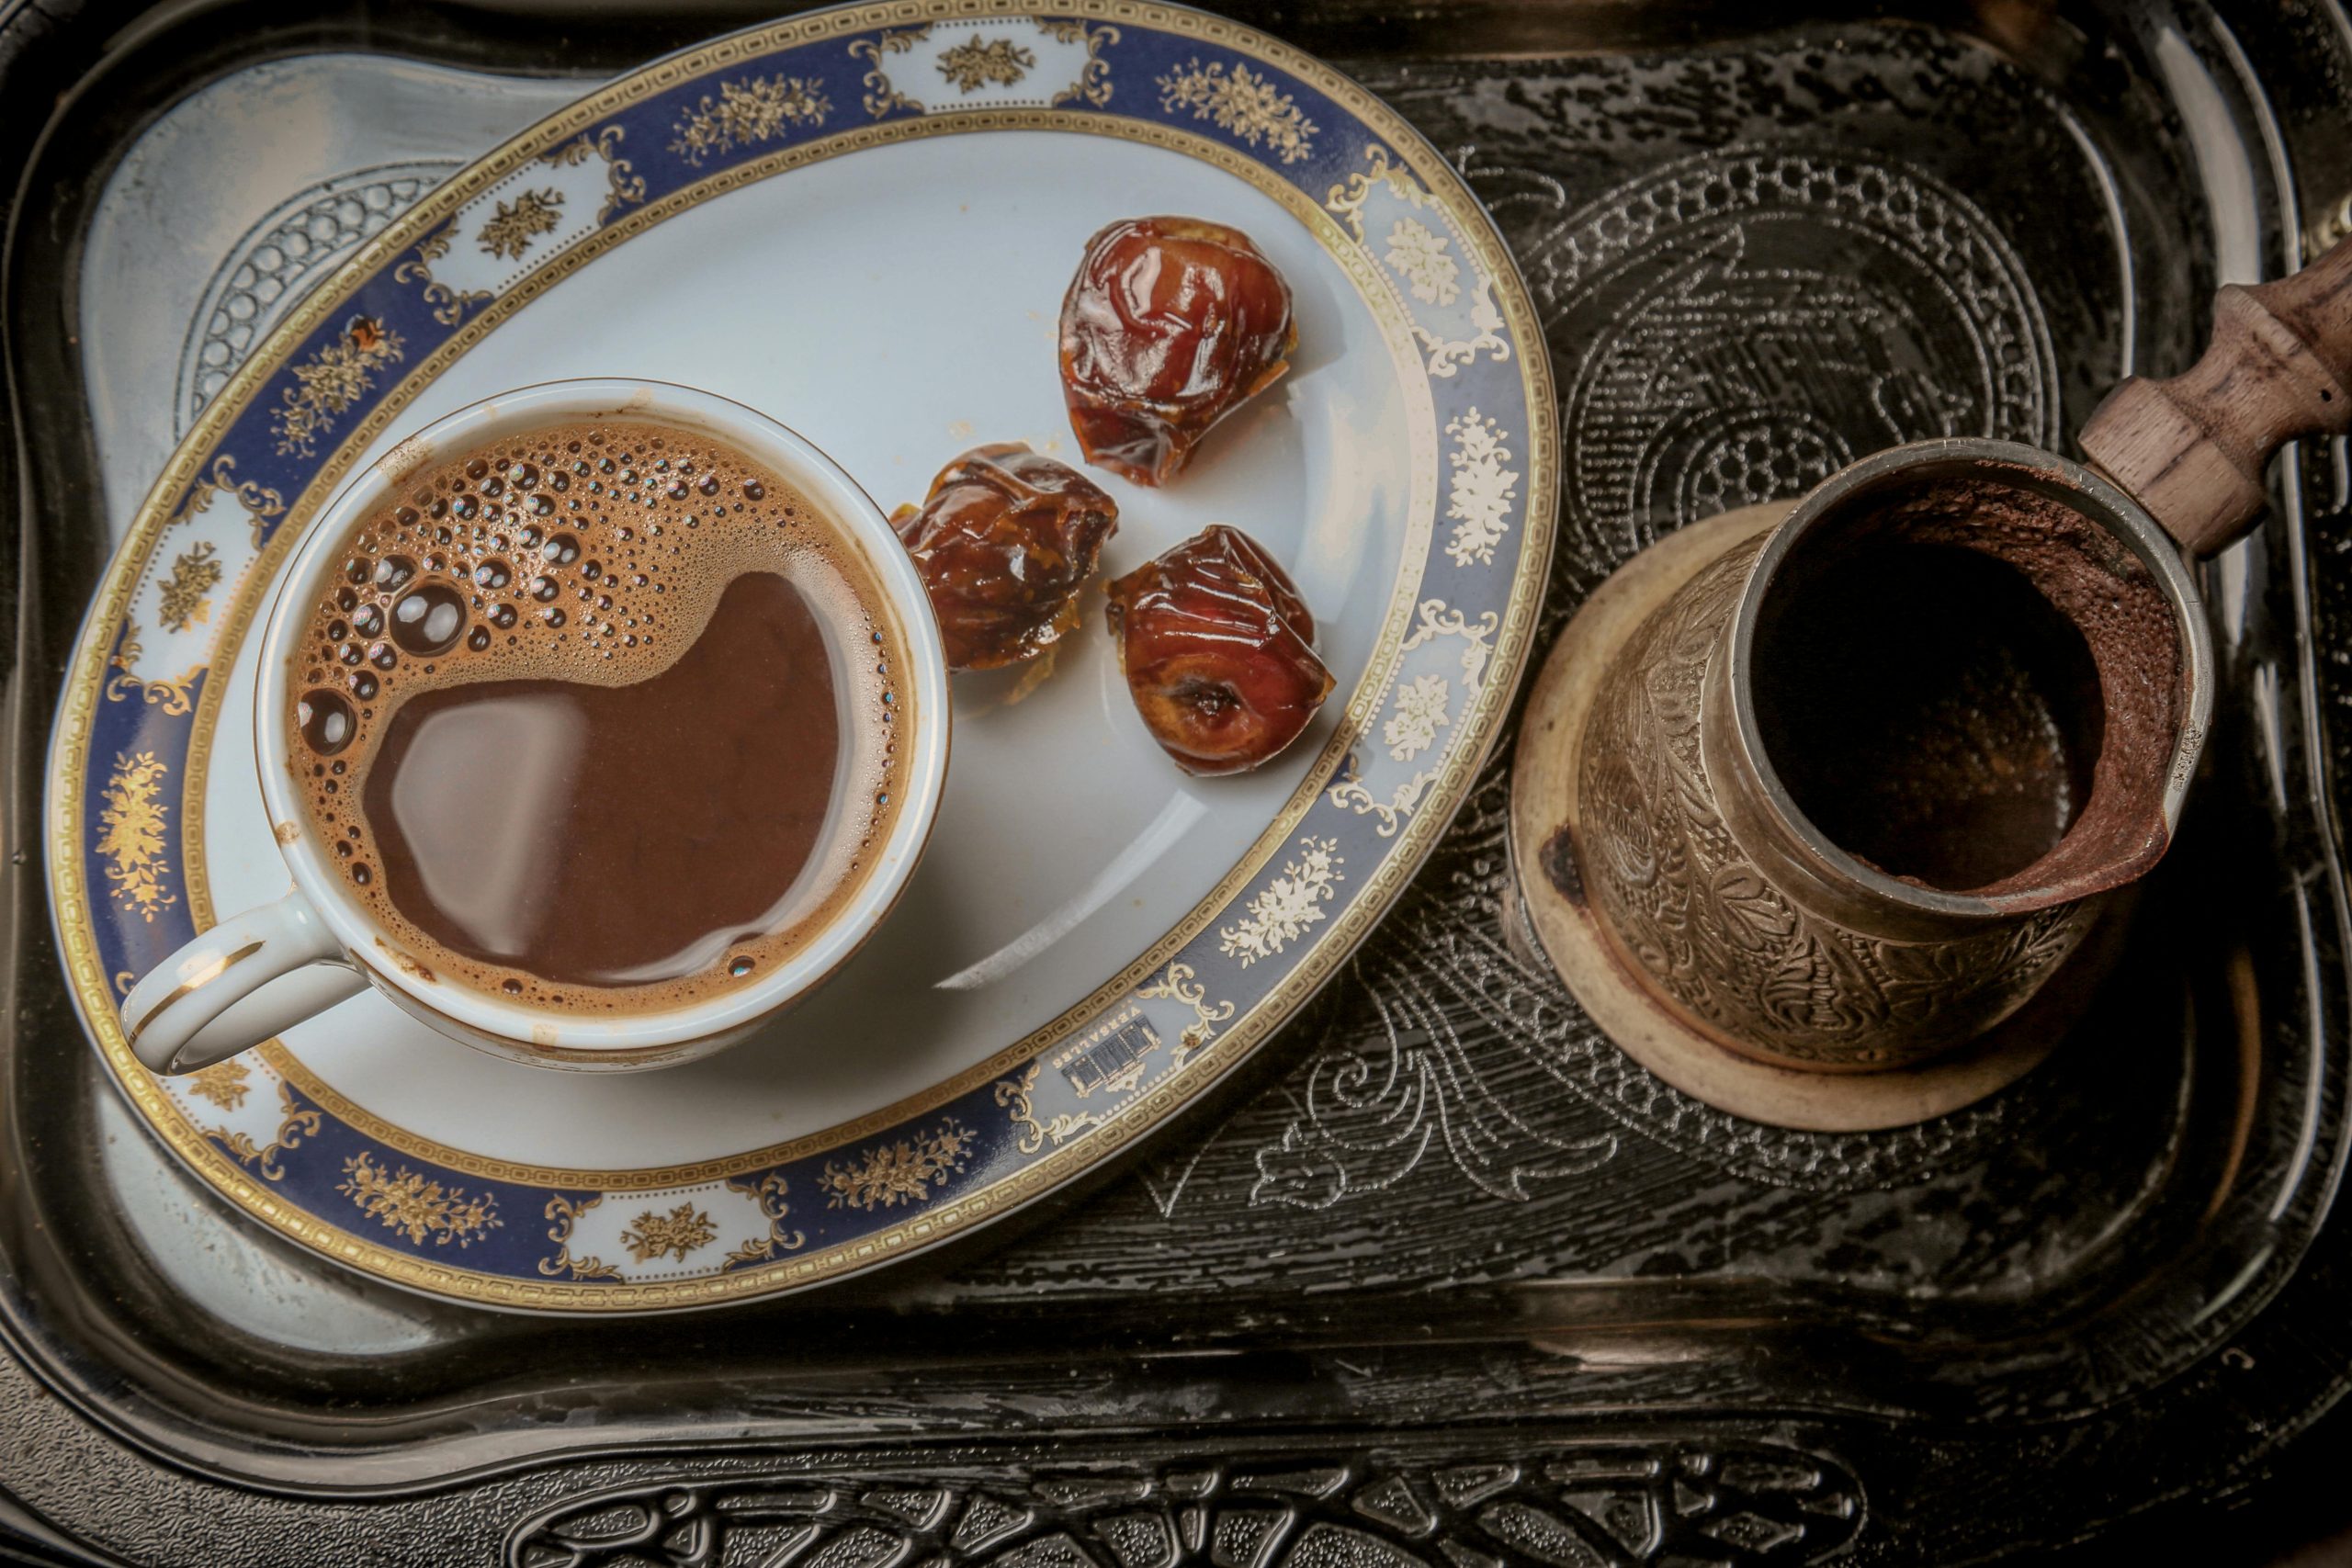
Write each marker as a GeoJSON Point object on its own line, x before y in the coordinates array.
{"type": "Point", "coordinates": [1170, 324]}
{"type": "Point", "coordinates": [1004, 541]}
{"type": "Point", "coordinates": [1218, 651]}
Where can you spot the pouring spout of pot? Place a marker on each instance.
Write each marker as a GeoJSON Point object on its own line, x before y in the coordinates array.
{"type": "Point", "coordinates": [2193, 450]}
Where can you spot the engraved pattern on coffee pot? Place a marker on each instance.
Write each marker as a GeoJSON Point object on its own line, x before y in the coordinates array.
{"type": "Point", "coordinates": [1711, 932]}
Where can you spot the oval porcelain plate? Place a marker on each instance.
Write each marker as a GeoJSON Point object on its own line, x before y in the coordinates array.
{"type": "Point", "coordinates": [860, 222]}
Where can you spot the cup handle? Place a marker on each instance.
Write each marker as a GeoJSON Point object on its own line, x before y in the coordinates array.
{"type": "Point", "coordinates": [179, 1018]}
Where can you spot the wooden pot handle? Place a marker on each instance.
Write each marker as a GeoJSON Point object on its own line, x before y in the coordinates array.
{"type": "Point", "coordinates": [2192, 450]}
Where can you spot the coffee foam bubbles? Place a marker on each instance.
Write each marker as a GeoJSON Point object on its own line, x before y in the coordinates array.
{"type": "Point", "coordinates": [590, 553]}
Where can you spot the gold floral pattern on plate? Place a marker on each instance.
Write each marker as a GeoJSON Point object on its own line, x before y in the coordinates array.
{"type": "Point", "coordinates": [130, 835]}
{"type": "Point", "coordinates": [902, 1171]}
{"type": "Point", "coordinates": [1415, 716]}
{"type": "Point", "coordinates": [683, 1230]}
{"type": "Point", "coordinates": [509, 233]}
{"type": "Point", "coordinates": [1282, 911]}
{"type": "Point", "coordinates": [973, 65]}
{"type": "Point", "coordinates": [975, 58]}
{"type": "Point", "coordinates": [415, 1205]}
{"type": "Point", "coordinates": [223, 1083]}
{"type": "Point", "coordinates": [1423, 259]}
{"type": "Point", "coordinates": [182, 599]}
{"type": "Point", "coordinates": [1480, 497]}
{"type": "Point", "coordinates": [1243, 103]}
{"type": "Point", "coordinates": [746, 113]}
{"type": "Point", "coordinates": [330, 382]}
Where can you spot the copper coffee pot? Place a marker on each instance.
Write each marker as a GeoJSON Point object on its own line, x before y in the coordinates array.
{"type": "Point", "coordinates": [1734, 910]}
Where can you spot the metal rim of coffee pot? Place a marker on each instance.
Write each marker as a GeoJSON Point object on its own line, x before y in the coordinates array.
{"type": "Point", "coordinates": [2030, 468]}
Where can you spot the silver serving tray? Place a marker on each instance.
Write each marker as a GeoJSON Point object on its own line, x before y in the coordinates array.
{"type": "Point", "coordinates": [1447, 1280]}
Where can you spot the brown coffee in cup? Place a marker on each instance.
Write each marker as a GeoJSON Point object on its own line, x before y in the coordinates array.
{"type": "Point", "coordinates": [601, 718]}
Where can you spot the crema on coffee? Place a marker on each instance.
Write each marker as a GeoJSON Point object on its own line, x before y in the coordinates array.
{"type": "Point", "coordinates": [602, 719]}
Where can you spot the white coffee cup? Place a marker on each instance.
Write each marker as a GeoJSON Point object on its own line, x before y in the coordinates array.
{"type": "Point", "coordinates": [268, 968]}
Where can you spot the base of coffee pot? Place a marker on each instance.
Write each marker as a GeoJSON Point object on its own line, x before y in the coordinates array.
{"type": "Point", "coordinates": [1543, 823]}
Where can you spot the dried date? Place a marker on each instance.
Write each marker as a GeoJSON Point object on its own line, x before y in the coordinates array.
{"type": "Point", "coordinates": [1004, 541]}
{"type": "Point", "coordinates": [1218, 651]}
{"type": "Point", "coordinates": [1170, 324]}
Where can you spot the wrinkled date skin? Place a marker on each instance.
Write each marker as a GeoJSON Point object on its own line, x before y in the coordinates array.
{"type": "Point", "coordinates": [1004, 542]}
{"type": "Point", "coordinates": [1218, 651]}
{"type": "Point", "coordinates": [1170, 324]}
